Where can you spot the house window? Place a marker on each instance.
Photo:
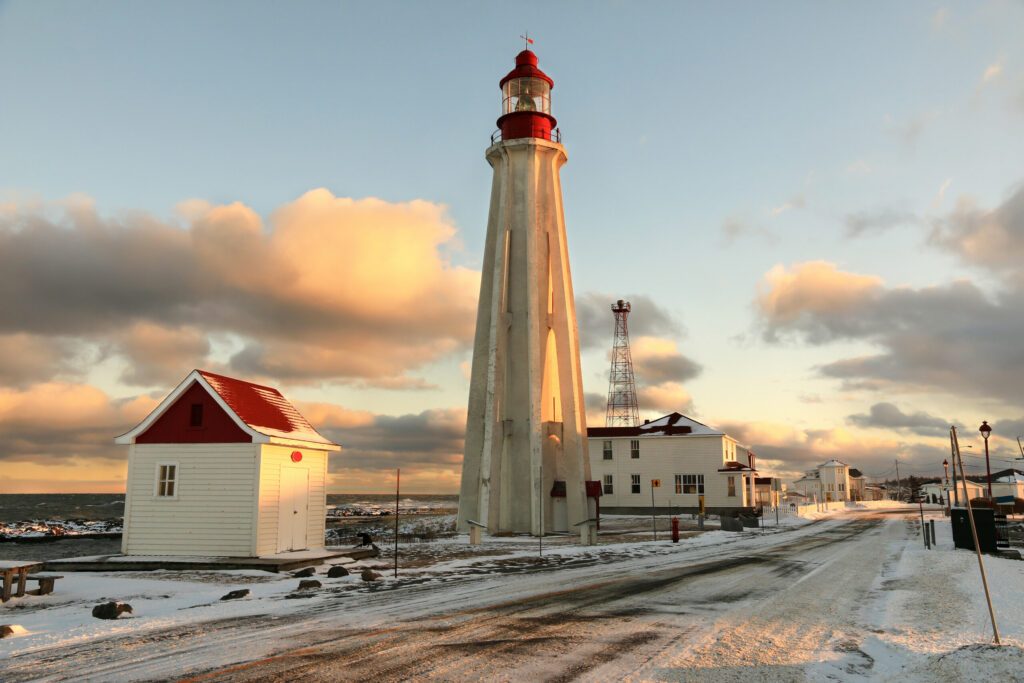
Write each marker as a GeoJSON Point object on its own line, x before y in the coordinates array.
{"type": "Point", "coordinates": [679, 483]}
{"type": "Point", "coordinates": [732, 486]}
{"type": "Point", "coordinates": [634, 448]}
{"type": "Point", "coordinates": [167, 480]}
{"type": "Point", "coordinates": [195, 418]}
{"type": "Point", "coordinates": [634, 480]}
{"type": "Point", "coordinates": [693, 483]}
{"type": "Point", "coordinates": [842, 487]}
{"type": "Point", "coordinates": [609, 488]}
{"type": "Point", "coordinates": [830, 487]}
{"type": "Point", "coordinates": [607, 450]}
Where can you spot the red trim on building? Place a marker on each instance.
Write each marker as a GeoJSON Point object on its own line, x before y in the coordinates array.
{"type": "Point", "coordinates": [174, 426]}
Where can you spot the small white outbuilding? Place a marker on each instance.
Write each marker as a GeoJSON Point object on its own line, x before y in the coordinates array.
{"type": "Point", "coordinates": [224, 467]}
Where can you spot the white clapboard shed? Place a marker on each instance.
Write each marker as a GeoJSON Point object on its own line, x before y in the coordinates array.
{"type": "Point", "coordinates": [227, 468]}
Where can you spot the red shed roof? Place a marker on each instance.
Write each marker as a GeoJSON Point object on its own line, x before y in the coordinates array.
{"type": "Point", "coordinates": [259, 410]}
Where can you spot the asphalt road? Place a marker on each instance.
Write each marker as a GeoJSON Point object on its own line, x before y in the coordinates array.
{"type": "Point", "coordinates": [740, 616]}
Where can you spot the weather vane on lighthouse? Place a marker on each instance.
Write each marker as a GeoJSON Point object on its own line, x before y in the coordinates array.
{"type": "Point", "coordinates": [527, 38]}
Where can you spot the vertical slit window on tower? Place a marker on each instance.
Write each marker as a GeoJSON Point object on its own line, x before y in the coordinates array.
{"type": "Point", "coordinates": [634, 448]}
{"type": "Point", "coordinates": [609, 487]}
{"type": "Point", "coordinates": [634, 482]}
{"type": "Point", "coordinates": [607, 450]}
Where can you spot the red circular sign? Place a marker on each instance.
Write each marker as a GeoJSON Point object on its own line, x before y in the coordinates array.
{"type": "Point", "coordinates": [296, 456]}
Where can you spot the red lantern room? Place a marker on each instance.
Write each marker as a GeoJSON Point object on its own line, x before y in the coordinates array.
{"type": "Point", "coordinates": [526, 101]}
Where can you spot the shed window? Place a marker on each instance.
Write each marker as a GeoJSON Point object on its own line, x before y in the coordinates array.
{"type": "Point", "coordinates": [607, 450]}
{"type": "Point", "coordinates": [196, 416]}
{"type": "Point", "coordinates": [609, 488]}
{"type": "Point", "coordinates": [167, 480]}
{"type": "Point", "coordinates": [634, 480]}
{"type": "Point", "coordinates": [634, 448]}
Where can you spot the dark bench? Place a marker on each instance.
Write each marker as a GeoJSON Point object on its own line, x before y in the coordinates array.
{"type": "Point", "coordinates": [46, 582]}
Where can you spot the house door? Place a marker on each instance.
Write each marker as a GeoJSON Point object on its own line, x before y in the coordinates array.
{"type": "Point", "coordinates": [560, 514]}
{"type": "Point", "coordinates": [293, 510]}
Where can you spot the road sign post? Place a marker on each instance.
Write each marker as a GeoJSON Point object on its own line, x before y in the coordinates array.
{"type": "Point", "coordinates": [655, 483]}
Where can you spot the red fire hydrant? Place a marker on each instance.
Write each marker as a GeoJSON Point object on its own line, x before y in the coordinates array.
{"type": "Point", "coordinates": [675, 530]}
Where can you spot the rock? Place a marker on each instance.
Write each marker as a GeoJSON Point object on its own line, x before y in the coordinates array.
{"type": "Point", "coordinates": [309, 583]}
{"type": "Point", "coordinates": [303, 573]}
{"type": "Point", "coordinates": [8, 630]}
{"type": "Point", "coordinates": [234, 595]}
{"type": "Point", "coordinates": [336, 571]}
{"type": "Point", "coordinates": [111, 610]}
{"type": "Point", "coordinates": [369, 575]}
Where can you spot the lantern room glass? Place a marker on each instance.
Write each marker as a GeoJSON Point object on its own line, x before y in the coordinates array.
{"type": "Point", "coordinates": [526, 94]}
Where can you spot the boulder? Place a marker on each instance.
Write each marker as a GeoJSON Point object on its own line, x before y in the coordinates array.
{"type": "Point", "coordinates": [309, 583]}
{"type": "Point", "coordinates": [303, 573]}
{"type": "Point", "coordinates": [111, 610]}
{"type": "Point", "coordinates": [8, 630]}
{"type": "Point", "coordinates": [336, 571]}
{"type": "Point", "coordinates": [235, 595]}
{"type": "Point", "coordinates": [369, 575]}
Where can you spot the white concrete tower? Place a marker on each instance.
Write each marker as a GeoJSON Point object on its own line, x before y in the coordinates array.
{"type": "Point", "coordinates": [526, 463]}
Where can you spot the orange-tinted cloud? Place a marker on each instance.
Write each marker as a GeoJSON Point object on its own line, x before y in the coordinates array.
{"type": "Point", "coordinates": [331, 289]}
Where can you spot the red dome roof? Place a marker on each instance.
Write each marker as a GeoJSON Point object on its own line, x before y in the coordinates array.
{"type": "Point", "coordinates": [526, 67]}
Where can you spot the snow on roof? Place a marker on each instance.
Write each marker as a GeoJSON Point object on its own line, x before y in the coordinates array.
{"type": "Point", "coordinates": [1011, 479]}
{"type": "Point", "coordinates": [833, 463]}
{"type": "Point", "coordinates": [263, 408]}
{"type": "Point", "coordinates": [675, 421]}
{"type": "Point", "coordinates": [260, 411]}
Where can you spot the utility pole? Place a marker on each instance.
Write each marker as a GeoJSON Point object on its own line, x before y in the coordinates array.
{"type": "Point", "coordinates": [952, 453]}
{"type": "Point", "coordinates": [974, 534]}
{"type": "Point", "coordinates": [899, 485]}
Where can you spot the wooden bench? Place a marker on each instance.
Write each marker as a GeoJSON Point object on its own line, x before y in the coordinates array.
{"type": "Point", "coordinates": [46, 582]}
{"type": "Point", "coordinates": [14, 573]}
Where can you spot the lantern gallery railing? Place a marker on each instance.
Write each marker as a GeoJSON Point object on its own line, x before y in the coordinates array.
{"type": "Point", "coordinates": [554, 136]}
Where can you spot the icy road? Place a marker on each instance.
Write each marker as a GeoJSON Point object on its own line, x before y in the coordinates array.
{"type": "Point", "coordinates": [854, 598]}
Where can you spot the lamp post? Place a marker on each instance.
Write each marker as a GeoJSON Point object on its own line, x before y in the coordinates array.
{"type": "Point", "coordinates": [985, 431]}
{"type": "Point", "coordinates": [945, 469]}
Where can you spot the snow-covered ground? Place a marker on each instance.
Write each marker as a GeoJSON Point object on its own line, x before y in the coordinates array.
{"type": "Point", "coordinates": [852, 597]}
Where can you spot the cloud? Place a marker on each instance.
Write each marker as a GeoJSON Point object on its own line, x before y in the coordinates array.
{"type": "Point", "coordinates": [657, 360]}
{"type": "Point", "coordinates": [331, 289]}
{"type": "Point", "coordinates": [990, 238]}
{"type": "Point", "coordinates": [888, 416]}
{"type": "Point", "coordinates": [909, 131]}
{"type": "Point", "coordinates": [815, 298]}
{"type": "Point", "coordinates": [992, 72]}
{"type": "Point", "coordinates": [734, 228]}
{"type": "Point", "coordinates": [940, 18]}
{"type": "Point", "coordinates": [55, 421]}
{"type": "Point", "coordinates": [597, 323]}
{"type": "Point", "coordinates": [952, 338]}
{"type": "Point", "coordinates": [877, 221]}
{"type": "Point", "coordinates": [797, 202]}
{"type": "Point", "coordinates": [427, 446]}
{"type": "Point", "coordinates": [664, 398]}
{"type": "Point", "coordinates": [27, 358]}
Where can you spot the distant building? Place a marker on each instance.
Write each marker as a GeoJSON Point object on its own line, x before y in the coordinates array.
{"type": "Point", "coordinates": [225, 468]}
{"type": "Point", "coordinates": [689, 460]}
{"type": "Point", "coordinates": [831, 481]}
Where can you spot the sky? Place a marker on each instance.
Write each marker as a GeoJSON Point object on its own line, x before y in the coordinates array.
{"type": "Point", "coordinates": [816, 210]}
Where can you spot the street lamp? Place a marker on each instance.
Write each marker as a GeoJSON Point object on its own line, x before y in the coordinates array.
{"type": "Point", "coordinates": [985, 431]}
{"type": "Point", "coordinates": [945, 468]}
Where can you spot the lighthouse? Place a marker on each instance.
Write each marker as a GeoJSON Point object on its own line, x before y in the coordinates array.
{"type": "Point", "coordinates": [526, 466]}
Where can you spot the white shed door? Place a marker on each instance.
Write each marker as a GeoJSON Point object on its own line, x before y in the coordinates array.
{"type": "Point", "coordinates": [294, 509]}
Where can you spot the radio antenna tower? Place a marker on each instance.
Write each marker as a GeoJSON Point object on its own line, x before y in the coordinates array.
{"type": "Point", "coordinates": [622, 407]}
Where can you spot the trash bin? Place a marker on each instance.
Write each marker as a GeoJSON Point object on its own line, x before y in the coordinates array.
{"type": "Point", "coordinates": [984, 521]}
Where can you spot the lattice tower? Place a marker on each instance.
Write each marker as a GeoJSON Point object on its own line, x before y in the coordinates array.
{"type": "Point", "coordinates": [622, 406]}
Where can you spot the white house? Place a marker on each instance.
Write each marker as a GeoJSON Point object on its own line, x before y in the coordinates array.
{"type": "Point", "coordinates": [689, 460]}
{"type": "Point", "coordinates": [942, 492]}
{"type": "Point", "coordinates": [830, 481]}
{"type": "Point", "coordinates": [227, 468]}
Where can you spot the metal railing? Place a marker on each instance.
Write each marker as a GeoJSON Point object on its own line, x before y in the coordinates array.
{"type": "Point", "coordinates": [555, 136]}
